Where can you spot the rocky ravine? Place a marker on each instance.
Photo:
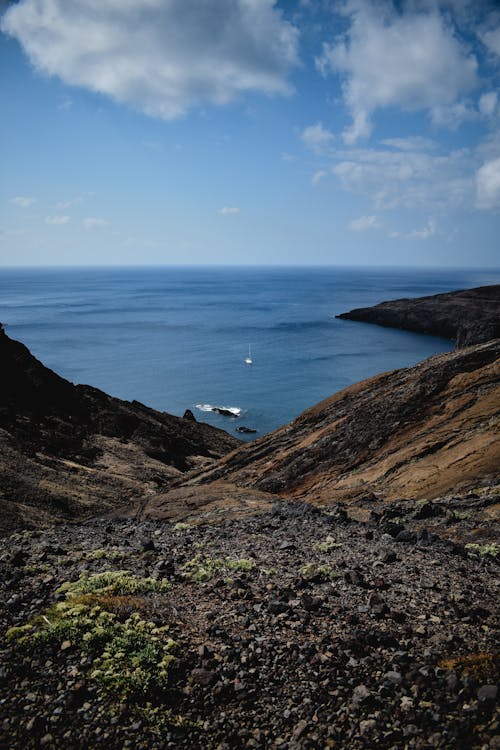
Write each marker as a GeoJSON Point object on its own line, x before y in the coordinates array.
{"type": "Point", "coordinates": [70, 451]}
{"type": "Point", "coordinates": [260, 622]}
{"type": "Point", "coordinates": [471, 316]}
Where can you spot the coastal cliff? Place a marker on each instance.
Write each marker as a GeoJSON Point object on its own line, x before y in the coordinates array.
{"type": "Point", "coordinates": [469, 317]}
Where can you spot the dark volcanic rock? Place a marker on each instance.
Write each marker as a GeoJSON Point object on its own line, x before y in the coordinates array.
{"type": "Point", "coordinates": [261, 662]}
{"type": "Point", "coordinates": [470, 317]}
{"type": "Point", "coordinates": [68, 450]}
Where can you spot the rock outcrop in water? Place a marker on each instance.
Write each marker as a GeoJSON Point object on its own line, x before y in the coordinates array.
{"type": "Point", "coordinates": [470, 317]}
{"type": "Point", "coordinates": [68, 451]}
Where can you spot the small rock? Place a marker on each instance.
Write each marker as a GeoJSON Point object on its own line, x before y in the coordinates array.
{"type": "Point", "coordinates": [18, 558]}
{"type": "Point", "coordinates": [276, 607]}
{"type": "Point", "coordinates": [299, 729]}
{"type": "Point", "coordinates": [203, 677]}
{"type": "Point", "coordinates": [367, 726]}
{"type": "Point", "coordinates": [406, 703]}
{"type": "Point", "coordinates": [354, 577]}
{"type": "Point", "coordinates": [487, 693]}
{"type": "Point", "coordinates": [426, 583]}
{"type": "Point", "coordinates": [360, 694]}
{"type": "Point", "coordinates": [388, 557]}
{"type": "Point", "coordinates": [394, 677]}
{"type": "Point", "coordinates": [405, 537]}
{"type": "Point", "coordinates": [311, 603]}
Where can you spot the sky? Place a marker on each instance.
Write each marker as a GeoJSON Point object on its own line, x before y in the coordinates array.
{"type": "Point", "coordinates": [242, 132]}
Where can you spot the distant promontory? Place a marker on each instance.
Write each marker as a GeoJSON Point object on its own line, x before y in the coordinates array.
{"type": "Point", "coordinates": [468, 316]}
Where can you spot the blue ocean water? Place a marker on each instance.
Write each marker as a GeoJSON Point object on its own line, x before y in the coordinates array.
{"type": "Point", "coordinates": [175, 338]}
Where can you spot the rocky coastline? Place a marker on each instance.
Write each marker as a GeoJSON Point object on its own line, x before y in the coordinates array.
{"type": "Point", "coordinates": [468, 316]}
{"type": "Point", "coordinates": [331, 585]}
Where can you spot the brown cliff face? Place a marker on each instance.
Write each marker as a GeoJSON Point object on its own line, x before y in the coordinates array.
{"type": "Point", "coordinates": [69, 450]}
{"type": "Point", "coordinates": [470, 317]}
{"type": "Point", "coordinates": [417, 432]}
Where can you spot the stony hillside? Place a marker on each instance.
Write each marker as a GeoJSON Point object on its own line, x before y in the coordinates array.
{"type": "Point", "coordinates": [296, 629]}
{"type": "Point", "coordinates": [67, 451]}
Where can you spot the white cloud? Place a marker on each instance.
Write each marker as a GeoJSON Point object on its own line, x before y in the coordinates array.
{"type": "Point", "coordinates": [66, 103]}
{"type": "Point", "coordinates": [408, 60]}
{"type": "Point", "coordinates": [57, 219]}
{"type": "Point", "coordinates": [318, 176]}
{"type": "Point", "coordinates": [488, 103]}
{"type": "Point", "coordinates": [488, 185]}
{"type": "Point", "coordinates": [410, 143]}
{"type": "Point", "coordinates": [364, 223]}
{"type": "Point", "coordinates": [491, 39]}
{"type": "Point", "coordinates": [160, 56]}
{"type": "Point", "coordinates": [228, 210]}
{"type": "Point", "coordinates": [394, 179]}
{"type": "Point", "coordinates": [69, 203]}
{"type": "Point", "coordinates": [453, 115]}
{"type": "Point", "coordinates": [425, 233]}
{"type": "Point", "coordinates": [22, 201]}
{"type": "Point", "coordinates": [92, 222]}
{"type": "Point", "coordinates": [317, 138]}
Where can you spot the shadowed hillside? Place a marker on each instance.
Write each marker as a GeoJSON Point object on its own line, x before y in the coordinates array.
{"type": "Point", "coordinates": [69, 450]}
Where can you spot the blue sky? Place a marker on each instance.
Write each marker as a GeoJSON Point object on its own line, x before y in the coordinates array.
{"type": "Point", "coordinates": [250, 132]}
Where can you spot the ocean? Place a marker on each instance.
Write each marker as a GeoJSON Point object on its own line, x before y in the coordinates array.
{"type": "Point", "coordinates": [176, 338]}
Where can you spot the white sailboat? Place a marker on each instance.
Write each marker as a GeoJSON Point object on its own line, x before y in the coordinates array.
{"type": "Point", "coordinates": [248, 358]}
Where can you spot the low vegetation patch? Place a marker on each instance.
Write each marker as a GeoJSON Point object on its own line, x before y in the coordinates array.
{"type": "Point", "coordinates": [104, 554]}
{"type": "Point", "coordinates": [314, 572]}
{"type": "Point", "coordinates": [484, 549]}
{"type": "Point", "coordinates": [130, 657]}
{"type": "Point", "coordinates": [203, 567]}
{"type": "Point", "coordinates": [327, 546]}
{"type": "Point", "coordinates": [116, 582]}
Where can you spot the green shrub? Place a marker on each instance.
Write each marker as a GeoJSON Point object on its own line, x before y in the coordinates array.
{"type": "Point", "coordinates": [322, 572]}
{"type": "Point", "coordinates": [203, 567]}
{"type": "Point", "coordinates": [129, 658]}
{"type": "Point", "coordinates": [119, 582]}
{"type": "Point", "coordinates": [483, 549]}
{"type": "Point", "coordinates": [327, 546]}
{"type": "Point", "coordinates": [101, 554]}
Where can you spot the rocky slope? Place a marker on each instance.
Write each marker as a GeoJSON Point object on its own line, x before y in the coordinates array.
{"type": "Point", "coordinates": [299, 628]}
{"type": "Point", "coordinates": [470, 317]}
{"type": "Point", "coordinates": [418, 432]}
{"type": "Point", "coordinates": [67, 451]}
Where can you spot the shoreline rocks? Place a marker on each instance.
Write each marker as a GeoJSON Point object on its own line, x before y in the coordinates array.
{"type": "Point", "coordinates": [470, 316]}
